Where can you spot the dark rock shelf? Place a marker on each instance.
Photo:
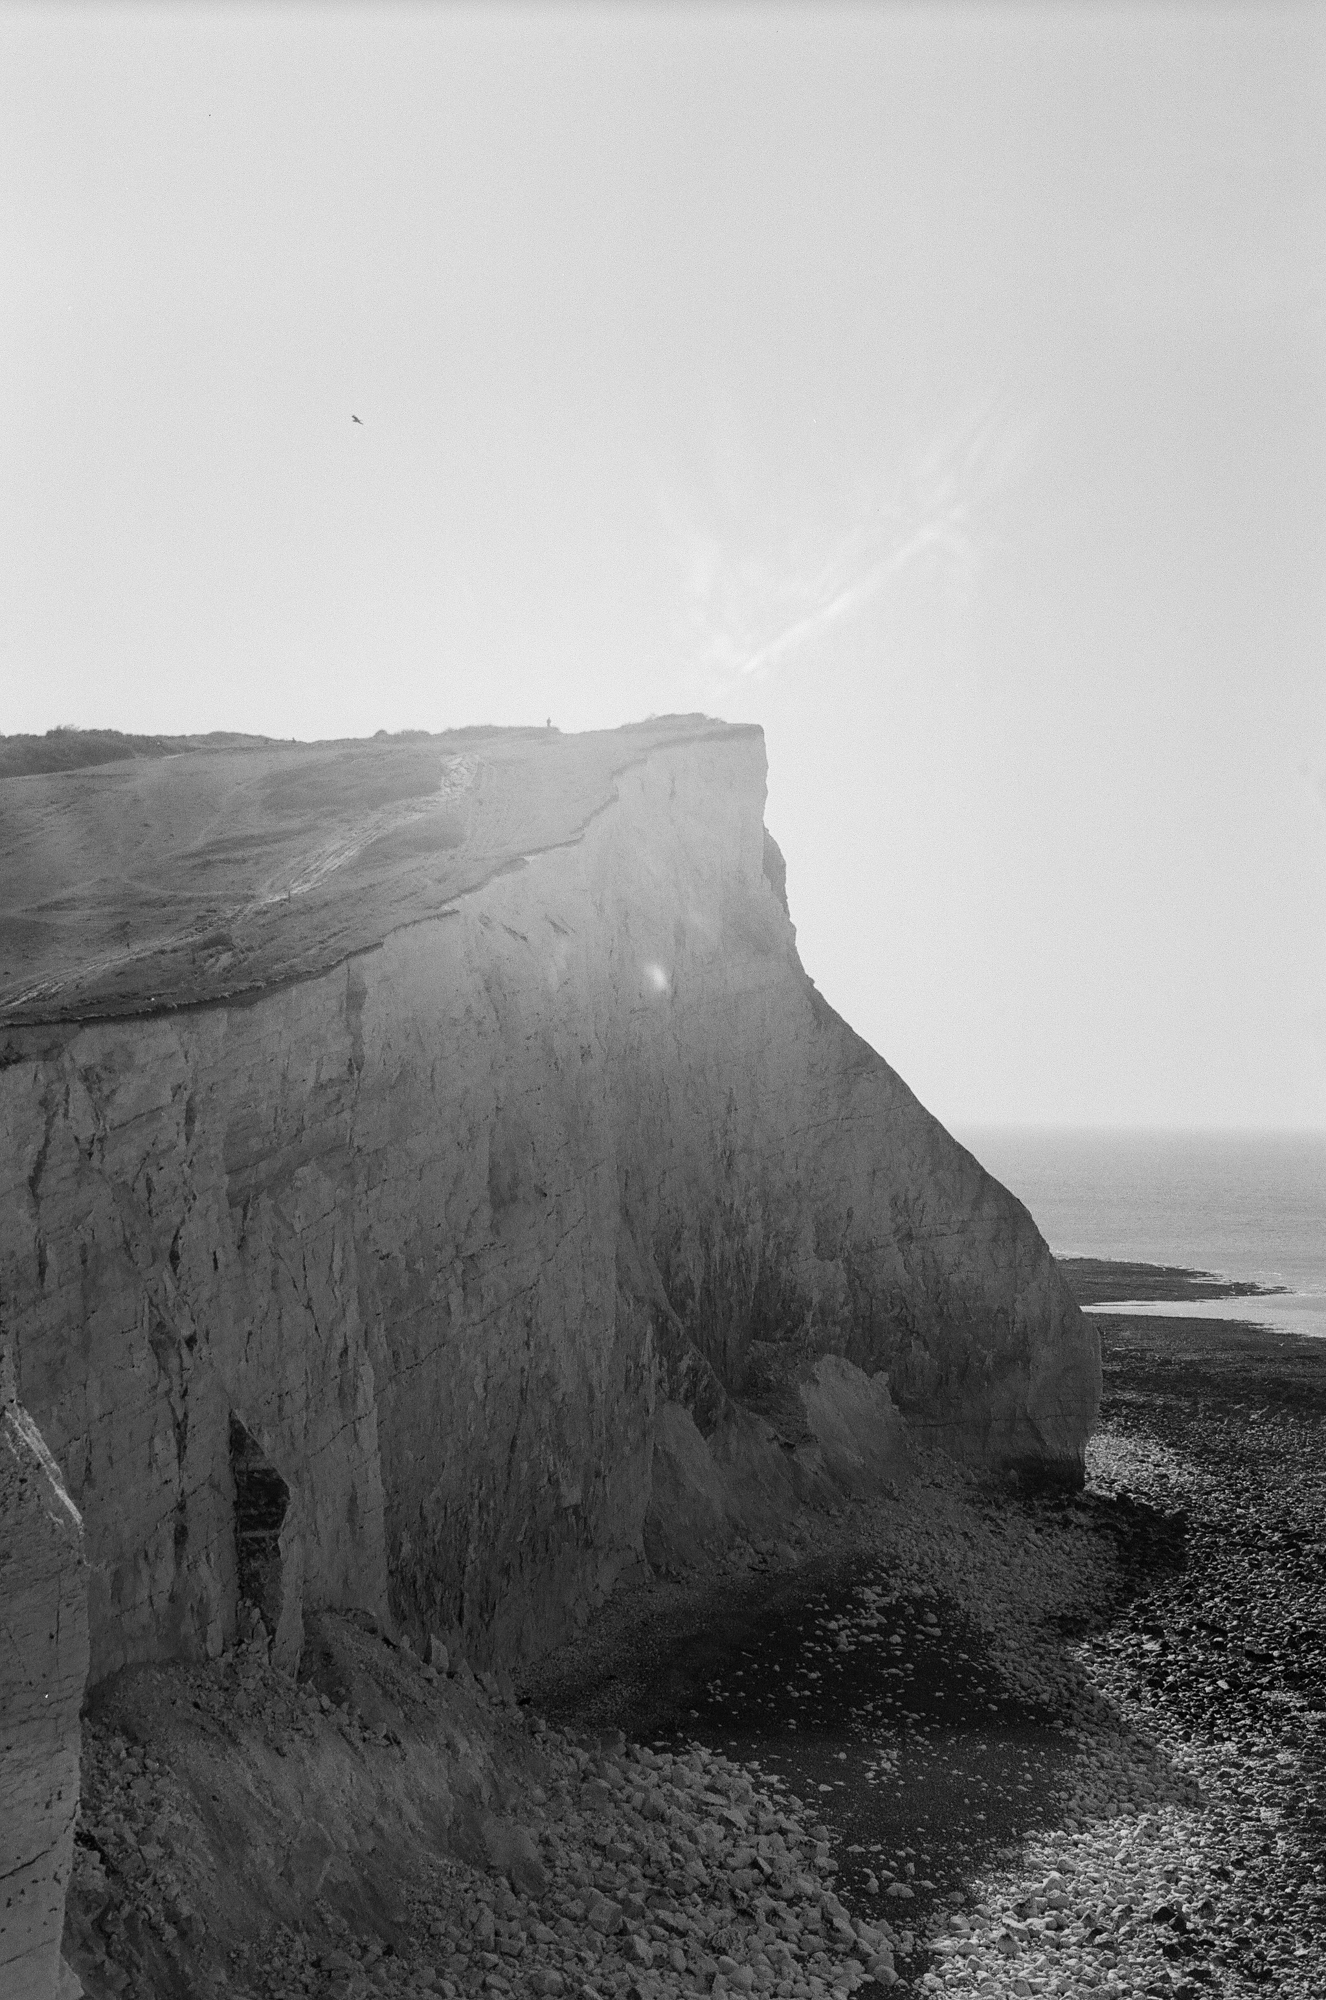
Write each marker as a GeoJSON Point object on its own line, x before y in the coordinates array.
{"type": "Point", "coordinates": [1106, 1280]}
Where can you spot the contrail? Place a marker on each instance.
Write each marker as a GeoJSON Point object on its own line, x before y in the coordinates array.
{"type": "Point", "coordinates": [942, 505]}
{"type": "Point", "coordinates": [931, 535]}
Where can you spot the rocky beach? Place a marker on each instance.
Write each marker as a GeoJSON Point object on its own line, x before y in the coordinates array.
{"type": "Point", "coordinates": [971, 1738]}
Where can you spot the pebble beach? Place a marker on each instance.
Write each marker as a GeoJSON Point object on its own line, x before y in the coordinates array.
{"type": "Point", "coordinates": [1079, 1743]}
{"type": "Point", "coordinates": [967, 1738]}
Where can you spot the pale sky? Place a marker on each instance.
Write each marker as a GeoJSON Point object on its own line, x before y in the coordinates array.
{"type": "Point", "coordinates": [943, 388]}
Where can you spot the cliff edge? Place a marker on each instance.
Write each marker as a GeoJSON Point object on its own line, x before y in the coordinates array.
{"type": "Point", "coordinates": [429, 1183]}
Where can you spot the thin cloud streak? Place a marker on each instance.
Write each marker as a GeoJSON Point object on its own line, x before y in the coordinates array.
{"type": "Point", "coordinates": [933, 535]}
{"type": "Point", "coordinates": [750, 615]}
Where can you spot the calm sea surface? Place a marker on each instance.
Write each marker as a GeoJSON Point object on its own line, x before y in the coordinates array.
{"type": "Point", "coordinates": [1244, 1205]}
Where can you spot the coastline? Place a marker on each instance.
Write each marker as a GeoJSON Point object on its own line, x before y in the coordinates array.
{"type": "Point", "coordinates": [1117, 1282]}
{"type": "Point", "coordinates": [1106, 1287]}
{"type": "Point", "coordinates": [1156, 1651]}
{"type": "Point", "coordinates": [967, 1738]}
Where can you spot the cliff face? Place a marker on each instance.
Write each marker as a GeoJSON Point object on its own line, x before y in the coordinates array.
{"type": "Point", "coordinates": [374, 1288]}
{"type": "Point", "coordinates": [43, 1663]}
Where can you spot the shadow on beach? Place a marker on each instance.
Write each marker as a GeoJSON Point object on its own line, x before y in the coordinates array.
{"type": "Point", "coordinates": [1125, 1687]}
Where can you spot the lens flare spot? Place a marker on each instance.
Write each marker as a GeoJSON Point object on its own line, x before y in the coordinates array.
{"type": "Point", "coordinates": [656, 978]}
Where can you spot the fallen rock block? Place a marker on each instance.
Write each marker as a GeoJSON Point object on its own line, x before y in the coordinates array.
{"type": "Point", "coordinates": [512, 1851]}
{"type": "Point", "coordinates": [605, 1915]}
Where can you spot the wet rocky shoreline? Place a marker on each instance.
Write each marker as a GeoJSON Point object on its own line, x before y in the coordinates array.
{"type": "Point", "coordinates": [962, 1739]}
{"type": "Point", "coordinates": [1132, 1683]}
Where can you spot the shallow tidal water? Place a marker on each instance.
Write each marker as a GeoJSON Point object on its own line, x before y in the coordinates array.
{"type": "Point", "coordinates": [881, 1711]}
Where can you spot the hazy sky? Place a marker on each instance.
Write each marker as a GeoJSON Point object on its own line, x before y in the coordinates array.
{"type": "Point", "coordinates": [943, 388]}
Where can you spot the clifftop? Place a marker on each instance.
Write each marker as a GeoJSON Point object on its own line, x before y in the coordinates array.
{"type": "Point", "coordinates": [140, 873]}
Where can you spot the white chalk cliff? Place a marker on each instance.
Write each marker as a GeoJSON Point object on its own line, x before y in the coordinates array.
{"type": "Point", "coordinates": [43, 1665]}
{"type": "Point", "coordinates": [534, 1180]}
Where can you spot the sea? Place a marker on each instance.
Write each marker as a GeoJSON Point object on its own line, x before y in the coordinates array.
{"type": "Point", "coordinates": [1242, 1205]}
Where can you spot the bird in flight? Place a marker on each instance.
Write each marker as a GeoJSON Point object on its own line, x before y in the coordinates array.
{"type": "Point", "coordinates": [356, 420]}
